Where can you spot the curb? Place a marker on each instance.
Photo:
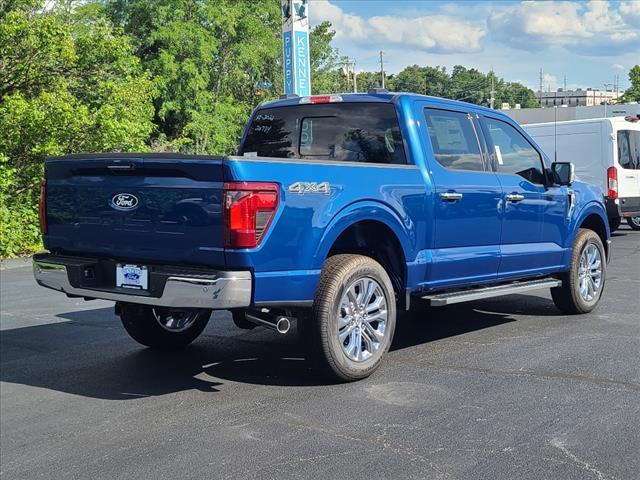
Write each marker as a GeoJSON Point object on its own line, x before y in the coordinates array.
{"type": "Point", "coordinates": [12, 263]}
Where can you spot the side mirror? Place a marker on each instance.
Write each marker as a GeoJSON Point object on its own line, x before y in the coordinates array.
{"type": "Point", "coordinates": [563, 173]}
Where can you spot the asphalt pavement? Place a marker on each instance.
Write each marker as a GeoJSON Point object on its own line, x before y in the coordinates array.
{"type": "Point", "coordinates": [506, 388]}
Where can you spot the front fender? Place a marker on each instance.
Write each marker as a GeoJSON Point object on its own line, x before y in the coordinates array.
{"type": "Point", "coordinates": [582, 212]}
{"type": "Point", "coordinates": [363, 211]}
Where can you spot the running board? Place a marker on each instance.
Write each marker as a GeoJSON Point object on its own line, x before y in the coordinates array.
{"type": "Point", "coordinates": [440, 299]}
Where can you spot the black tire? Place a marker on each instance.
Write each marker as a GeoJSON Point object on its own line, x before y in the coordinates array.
{"type": "Point", "coordinates": [634, 222]}
{"type": "Point", "coordinates": [319, 328]}
{"type": "Point", "coordinates": [142, 324]}
{"type": "Point", "coordinates": [567, 297]}
{"type": "Point", "coordinates": [614, 224]}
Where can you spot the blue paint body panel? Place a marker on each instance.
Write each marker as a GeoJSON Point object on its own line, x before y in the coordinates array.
{"type": "Point", "coordinates": [478, 240]}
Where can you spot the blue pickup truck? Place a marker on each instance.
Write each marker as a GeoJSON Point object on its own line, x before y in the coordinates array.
{"type": "Point", "coordinates": [337, 211]}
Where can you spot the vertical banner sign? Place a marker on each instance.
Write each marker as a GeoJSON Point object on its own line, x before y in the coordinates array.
{"type": "Point", "coordinates": [295, 47]}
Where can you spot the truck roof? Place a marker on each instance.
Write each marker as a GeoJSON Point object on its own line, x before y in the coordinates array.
{"type": "Point", "coordinates": [381, 96]}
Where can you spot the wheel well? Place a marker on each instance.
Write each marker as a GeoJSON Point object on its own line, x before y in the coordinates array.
{"type": "Point", "coordinates": [376, 240]}
{"type": "Point", "coordinates": [594, 222]}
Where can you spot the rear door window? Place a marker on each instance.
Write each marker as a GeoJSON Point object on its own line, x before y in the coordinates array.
{"type": "Point", "coordinates": [350, 132]}
{"type": "Point", "coordinates": [629, 149]}
{"type": "Point", "coordinates": [454, 140]}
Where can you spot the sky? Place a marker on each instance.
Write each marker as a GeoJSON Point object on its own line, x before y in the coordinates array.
{"type": "Point", "coordinates": [588, 42]}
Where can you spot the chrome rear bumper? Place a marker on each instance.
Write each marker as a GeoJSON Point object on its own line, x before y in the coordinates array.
{"type": "Point", "coordinates": [218, 290]}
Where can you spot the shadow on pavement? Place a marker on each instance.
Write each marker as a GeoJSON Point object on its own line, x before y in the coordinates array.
{"type": "Point", "coordinates": [91, 355]}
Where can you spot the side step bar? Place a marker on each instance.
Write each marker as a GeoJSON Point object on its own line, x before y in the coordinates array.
{"type": "Point", "coordinates": [448, 298]}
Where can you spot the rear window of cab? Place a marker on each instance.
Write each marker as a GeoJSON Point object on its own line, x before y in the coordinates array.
{"type": "Point", "coordinates": [348, 132]}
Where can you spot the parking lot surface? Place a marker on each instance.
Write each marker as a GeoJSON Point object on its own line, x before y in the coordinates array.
{"type": "Point", "coordinates": [506, 388]}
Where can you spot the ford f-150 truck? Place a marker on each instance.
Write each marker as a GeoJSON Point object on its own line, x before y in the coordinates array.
{"type": "Point", "coordinates": [336, 212]}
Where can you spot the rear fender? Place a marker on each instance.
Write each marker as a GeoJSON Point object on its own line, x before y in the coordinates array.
{"type": "Point", "coordinates": [363, 211]}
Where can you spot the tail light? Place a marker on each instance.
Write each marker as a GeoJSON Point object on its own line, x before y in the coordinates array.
{"type": "Point", "coordinates": [612, 183]}
{"type": "Point", "coordinates": [42, 207]}
{"type": "Point", "coordinates": [249, 208]}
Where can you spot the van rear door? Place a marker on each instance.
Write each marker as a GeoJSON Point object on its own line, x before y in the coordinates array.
{"type": "Point", "coordinates": [628, 146]}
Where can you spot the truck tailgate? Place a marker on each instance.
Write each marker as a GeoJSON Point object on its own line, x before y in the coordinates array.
{"type": "Point", "coordinates": [157, 209]}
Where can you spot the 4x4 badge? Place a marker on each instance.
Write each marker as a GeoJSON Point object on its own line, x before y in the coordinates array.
{"type": "Point", "coordinates": [310, 187]}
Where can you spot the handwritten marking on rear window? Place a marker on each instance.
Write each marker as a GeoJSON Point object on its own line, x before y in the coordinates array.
{"type": "Point", "coordinates": [264, 116]}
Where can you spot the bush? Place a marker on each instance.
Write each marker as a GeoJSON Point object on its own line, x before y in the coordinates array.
{"type": "Point", "coordinates": [19, 228]}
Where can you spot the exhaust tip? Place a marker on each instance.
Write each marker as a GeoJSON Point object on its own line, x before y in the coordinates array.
{"type": "Point", "coordinates": [283, 325]}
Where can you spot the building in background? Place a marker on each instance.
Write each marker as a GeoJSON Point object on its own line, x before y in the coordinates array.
{"type": "Point", "coordinates": [578, 98]}
{"type": "Point", "coordinates": [525, 116]}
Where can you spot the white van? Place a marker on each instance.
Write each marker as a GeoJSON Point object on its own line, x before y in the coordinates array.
{"type": "Point", "coordinates": [605, 152]}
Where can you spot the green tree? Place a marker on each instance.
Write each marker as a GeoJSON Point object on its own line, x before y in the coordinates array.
{"type": "Point", "coordinates": [69, 82]}
{"type": "Point", "coordinates": [632, 94]}
{"type": "Point", "coordinates": [367, 80]}
{"type": "Point", "coordinates": [425, 80]}
{"type": "Point", "coordinates": [325, 76]}
{"type": "Point", "coordinates": [514, 92]}
{"type": "Point", "coordinates": [209, 59]}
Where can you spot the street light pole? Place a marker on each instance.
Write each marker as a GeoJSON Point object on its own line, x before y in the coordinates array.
{"type": "Point", "coordinates": [605, 98]}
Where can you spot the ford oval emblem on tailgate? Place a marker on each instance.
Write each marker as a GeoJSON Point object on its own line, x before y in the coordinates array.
{"type": "Point", "coordinates": [124, 201]}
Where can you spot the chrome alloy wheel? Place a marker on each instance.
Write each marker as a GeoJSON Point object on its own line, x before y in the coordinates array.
{"type": "Point", "coordinates": [362, 319]}
{"type": "Point", "coordinates": [636, 221]}
{"type": "Point", "coordinates": [590, 272]}
{"type": "Point", "coordinates": [175, 320]}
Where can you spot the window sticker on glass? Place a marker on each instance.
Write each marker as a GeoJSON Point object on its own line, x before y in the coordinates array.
{"type": "Point", "coordinates": [449, 133]}
{"type": "Point", "coordinates": [388, 140]}
{"type": "Point", "coordinates": [250, 154]}
{"type": "Point", "coordinates": [499, 155]}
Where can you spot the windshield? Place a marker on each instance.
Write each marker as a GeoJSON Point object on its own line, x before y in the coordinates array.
{"type": "Point", "coordinates": [352, 132]}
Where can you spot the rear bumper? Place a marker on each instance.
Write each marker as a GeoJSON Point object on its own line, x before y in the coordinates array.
{"type": "Point", "coordinates": [212, 289]}
{"type": "Point", "coordinates": [630, 206]}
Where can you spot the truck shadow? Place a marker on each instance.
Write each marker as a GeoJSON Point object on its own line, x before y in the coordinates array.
{"type": "Point", "coordinates": [90, 355]}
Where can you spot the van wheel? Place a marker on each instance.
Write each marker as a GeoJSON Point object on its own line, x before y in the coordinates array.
{"type": "Point", "coordinates": [160, 327]}
{"type": "Point", "coordinates": [351, 324]}
{"type": "Point", "coordinates": [614, 224]}
{"type": "Point", "coordinates": [583, 284]}
{"type": "Point", "coordinates": [634, 222]}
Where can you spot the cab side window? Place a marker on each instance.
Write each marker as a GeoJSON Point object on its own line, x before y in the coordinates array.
{"type": "Point", "coordinates": [454, 140]}
{"type": "Point", "coordinates": [514, 153]}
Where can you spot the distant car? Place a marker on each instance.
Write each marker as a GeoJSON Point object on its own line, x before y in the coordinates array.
{"type": "Point", "coordinates": [605, 152]}
{"type": "Point", "coordinates": [338, 210]}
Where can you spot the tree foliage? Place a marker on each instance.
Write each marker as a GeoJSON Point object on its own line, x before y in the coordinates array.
{"type": "Point", "coordinates": [68, 83]}
{"type": "Point", "coordinates": [632, 94]}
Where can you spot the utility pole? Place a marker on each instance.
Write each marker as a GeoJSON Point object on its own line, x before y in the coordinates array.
{"type": "Point", "coordinates": [492, 100]}
{"type": "Point", "coordinates": [382, 68]}
{"type": "Point", "coordinates": [345, 63]}
{"type": "Point", "coordinates": [541, 85]}
{"type": "Point", "coordinates": [355, 77]}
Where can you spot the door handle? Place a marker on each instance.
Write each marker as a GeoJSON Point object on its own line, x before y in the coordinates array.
{"type": "Point", "coordinates": [450, 196]}
{"type": "Point", "coordinates": [514, 197]}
